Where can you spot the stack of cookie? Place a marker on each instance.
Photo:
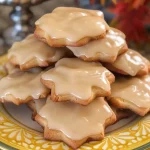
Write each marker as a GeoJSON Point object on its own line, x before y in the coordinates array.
{"type": "Point", "coordinates": [63, 72]}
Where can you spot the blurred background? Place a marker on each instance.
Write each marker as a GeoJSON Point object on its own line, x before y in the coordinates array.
{"type": "Point", "coordinates": [17, 18]}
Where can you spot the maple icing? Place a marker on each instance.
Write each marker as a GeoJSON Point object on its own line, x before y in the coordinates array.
{"type": "Point", "coordinates": [79, 10]}
{"type": "Point", "coordinates": [22, 85]}
{"type": "Point", "coordinates": [77, 121]}
{"type": "Point", "coordinates": [72, 25]}
{"type": "Point", "coordinates": [105, 48]}
{"type": "Point", "coordinates": [76, 77]}
{"type": "Point", "coordinates": [135, 90]}
{"type": "Point", "coordinates": [30, 48]}
{"type": "Point", "coordinates": [131, 62]}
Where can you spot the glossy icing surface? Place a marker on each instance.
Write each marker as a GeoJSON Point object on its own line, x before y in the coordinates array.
{"type": "Point", "coordinates": [105, 48]}
{"type": "Point", "coordinates": [135, 90]}
{"type": "Point", "coordinates": [22, 85]}
{"type": "Point", "coordinates": [80, 10]}
{"type": "Point", "coordinates": [77, 121]}
{"type": "Point", "coordinates": [72, 25]}
{"type": "Point", "coordinates": [131, 62]}
{"type": "Point", "coordinates": [76, 77]}
{"type": "Point", "coordinates": [30, 48]}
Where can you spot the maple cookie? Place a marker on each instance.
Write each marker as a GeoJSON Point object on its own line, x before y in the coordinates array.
{"type": "Point", "coordinates": [21, 87]}
{"type": "Point", "coordinates": [105, 50]}
{"type": "Point", "coordinates": [77, 81]}
{"type": "Point", "coordinates": [130, 63]}
{"type": "Point", "coordinates": [36, 105]}
{"type": "Point", "coordinates": [89, 124]}
{"type": "Point", "coordinates": [31, 53]}
{"type": "Point", "coordinates": [70, 28]}
{"type": "Point", "coordinates": [131, 93]}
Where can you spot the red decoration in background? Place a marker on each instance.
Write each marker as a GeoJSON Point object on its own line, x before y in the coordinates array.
{"type": "Point", "coordinates": [131, 18]}
{"type": "Point", "coordinates": [92, 2]}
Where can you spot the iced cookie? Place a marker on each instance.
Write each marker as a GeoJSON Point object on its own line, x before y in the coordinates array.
{"type": "Point", "coordinates": [131, 93]}
{"type": "Point", "coordinates": [74, 124]}
{"type": "Point", "coordinates": [104, 50]}
{"type": "Point", "coordinates": [36, 105]}
{"type": "Point", "coordinates": [130, 63]}
{"type": "Point", "coordinates": [77, 81]}
{"type": "Point", "coordinates": [21, 87]}
{"type": "Point", "coordinates": [70, 28]}
{"type": "Point", "coordinates": [31, 53]}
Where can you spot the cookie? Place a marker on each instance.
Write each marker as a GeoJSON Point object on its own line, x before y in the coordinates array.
{"type": "Point", "coordinates": [36, 105]}
{"type": "Point", "coordinates": [70, 28]}
{"type": "Point", "coordinates": [77, 81]}
{"type": "Point", "coordinates": [31, 53]}
{"type": "Point", "coordinates": [89, 121]}
{"type": "Point", "coordinates": [104, 50]}
{"type": "Point", "coordinates": [21, 87]}
{"type": "Point", "coordinates": [130, 63]}
{"type": "Point", "coordinates": [131, 93]}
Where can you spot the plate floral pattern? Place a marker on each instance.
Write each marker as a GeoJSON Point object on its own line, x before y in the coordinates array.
{"type": "Point", "coordinates": [17, 135]}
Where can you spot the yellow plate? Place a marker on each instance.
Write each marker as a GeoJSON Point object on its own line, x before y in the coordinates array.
{"type": "Point", "coordinates": [17, 130]}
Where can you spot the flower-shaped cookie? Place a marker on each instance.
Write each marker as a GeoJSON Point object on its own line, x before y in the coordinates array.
{"type": "Point", "coordinates": [73, 123]}
{"type": "Point", "coordinates": [105, 50]}
{"type": "Point", "coordinates": [21, 87]}
{"type": "Point", "coordinates": [75, 27]}
{"type": "Point", "coordinates": [31, 53]}
{"type": "Point", "coordinates": [130, 63]}
{"type": "Point", "coordinates": [78, 81]}
{"type": "Point", "coordinates": [131, 93]}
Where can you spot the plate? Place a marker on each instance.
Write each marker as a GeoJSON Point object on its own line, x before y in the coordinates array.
{"type": "Point", "coordinates": [19, 131]}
